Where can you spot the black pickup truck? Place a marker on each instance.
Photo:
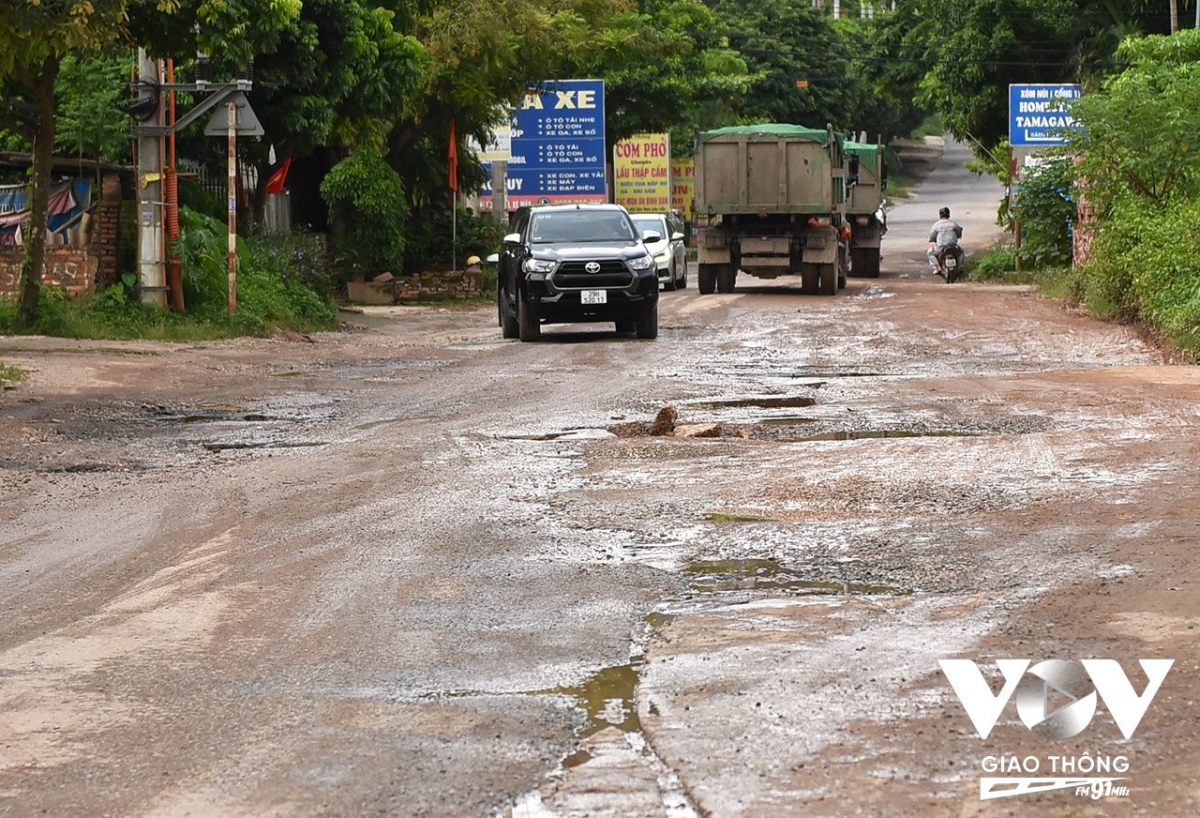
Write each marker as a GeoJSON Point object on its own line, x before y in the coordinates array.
{"type": "Point", "coordinates": [576, 263]}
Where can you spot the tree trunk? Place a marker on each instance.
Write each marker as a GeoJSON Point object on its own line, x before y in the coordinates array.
{"type": "Point", "coordinates": [1174, 16]}
{"type": "Point", "coordinates": [35, 226]}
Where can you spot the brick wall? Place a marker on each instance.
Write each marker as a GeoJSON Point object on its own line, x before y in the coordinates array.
{"type": "Point", "coordinates": [107, 230]}
{"type": "Point", "coordinates": [439, 286]}
{"type": "Point", "coordinates": [427, 286]}
{"type": "Point", "coordinates": [71, 268]}
{"type": "Point", "coordinates": [88, 261]}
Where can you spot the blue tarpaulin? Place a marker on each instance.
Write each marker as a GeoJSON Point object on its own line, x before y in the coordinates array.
{"type": "Point", "coordinates": [68, 200]}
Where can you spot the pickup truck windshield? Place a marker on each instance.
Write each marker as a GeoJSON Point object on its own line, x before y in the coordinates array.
{"type": "Point", "coordinates": [580, 226]}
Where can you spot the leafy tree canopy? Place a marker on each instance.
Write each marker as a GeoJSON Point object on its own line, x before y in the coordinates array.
{"type": "Point", "coordinates": [798, 60]}
{"type": "Point", "coordinates": [1141, 135]}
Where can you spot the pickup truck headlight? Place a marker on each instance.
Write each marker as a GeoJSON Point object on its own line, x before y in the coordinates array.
{"type": "Point", "coordinates": [641, 263]}
{"type": "Point", "coordinates": [539, 265]}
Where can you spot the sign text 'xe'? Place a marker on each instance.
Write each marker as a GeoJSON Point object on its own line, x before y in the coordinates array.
{"type": "Point", "coordinates": [562, 99]}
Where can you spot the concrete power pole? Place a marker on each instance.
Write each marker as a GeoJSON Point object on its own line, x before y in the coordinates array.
{"type": "Point", "coordinates": [152, 269]}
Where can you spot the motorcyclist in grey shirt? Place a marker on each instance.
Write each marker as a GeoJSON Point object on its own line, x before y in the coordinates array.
{"type": "Point", "coordinates": [944, 233]}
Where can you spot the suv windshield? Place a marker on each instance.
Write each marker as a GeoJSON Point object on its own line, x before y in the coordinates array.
{"type": "Point", "coordinates": [575, 226]}
{"type": "Point", "coordinates": [647, 224]}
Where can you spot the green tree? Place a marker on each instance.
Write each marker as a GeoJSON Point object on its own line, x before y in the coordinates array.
{"type": "Point", "coordinates": [368, 209]}
{"type": "Point", "coordinates": [886, 66]}
{"type": "Point", "coordinates": [977, 48]}
{"type": "Point", "coordinates": [338, 76]}
{"type": "Point", "coordinates": [91, 95]}
{"type": "Point", "coordinates": [1141, 134]}
{"type": "Point", "coordinates": [662, 62]}
{"type": "Point", "coordinates": [36, 36]}
{"type": "Point", "coordinates": [800, 63]}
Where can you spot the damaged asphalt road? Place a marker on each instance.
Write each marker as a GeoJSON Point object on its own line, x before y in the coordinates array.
{"type": "Point", "coordinates": [412, 569]}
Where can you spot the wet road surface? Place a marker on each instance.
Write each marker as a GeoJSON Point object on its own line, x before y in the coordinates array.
{"type": "Point", "coordinates": [414, 569]}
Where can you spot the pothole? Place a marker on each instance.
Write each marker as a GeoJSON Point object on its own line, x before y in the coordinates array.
{"type": "Point", "coordinates": [263, 444]}
{"type": "Point", "coordinates": [95, 468]}
{"type": "Point", "coordinates": [766, 402]}
{"type": "Point", "coordinates": [716, 576]}
{"type": "Point", "coordinates": [607, 699]}
{"type": "Point", "coordinates": [875, 434]}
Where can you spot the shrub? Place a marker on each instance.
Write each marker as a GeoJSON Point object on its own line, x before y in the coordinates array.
{"type": "Point", "coordinates": [281, 280]}
{"type": "Point", "coordinates": [1045, 209]}
{"type": "Point", "coordinates": [431, 237]}
{"type": "Point", "coordinates": [1145, 265]}
{"type": "Point", "coordinates": [993, 264]}
{"type": "Point", "coordinates": [368, 213]}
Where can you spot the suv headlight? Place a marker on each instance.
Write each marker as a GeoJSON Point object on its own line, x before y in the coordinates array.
{"type": "Point", "coordinates": [641, 263]}
{"type": "Point", "coordinates": [539, 265]}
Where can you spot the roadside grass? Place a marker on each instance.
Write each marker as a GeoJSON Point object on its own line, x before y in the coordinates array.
{"type": "Point", "coordinates": [999, 263]}
{"type": "Point", "coordinates": [11, 375]}
{"type": "Point", "coordinates": [105, 316]}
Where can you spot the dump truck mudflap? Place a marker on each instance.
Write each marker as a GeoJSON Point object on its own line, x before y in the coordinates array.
{"type": "Point", "coordinates": [820, 246]}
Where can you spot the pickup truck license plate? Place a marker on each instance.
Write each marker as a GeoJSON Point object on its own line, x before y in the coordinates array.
{"type": "Point", "coordinates": [593, 297]}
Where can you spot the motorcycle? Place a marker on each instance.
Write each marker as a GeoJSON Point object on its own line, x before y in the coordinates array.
{"type": "Point", "coordinates": [950, 262]}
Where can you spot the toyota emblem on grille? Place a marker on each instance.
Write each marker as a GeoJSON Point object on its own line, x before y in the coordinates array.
{"type": "Point", "coordinates": [592, 267]}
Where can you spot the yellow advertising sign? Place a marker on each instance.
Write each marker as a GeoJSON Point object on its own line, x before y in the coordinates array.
{"type": "Point", "coordinates": [642, 173]}
{"type": "Point", "coordinates": [683, 186]}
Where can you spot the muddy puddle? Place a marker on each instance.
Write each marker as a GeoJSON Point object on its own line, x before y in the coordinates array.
{"type": "Point", "coordinates": [716, 576]}
{"type": "Point", "coordinates": [607, 698]}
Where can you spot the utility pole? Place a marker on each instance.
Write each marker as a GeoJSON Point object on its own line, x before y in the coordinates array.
{"type": "Point", "coordinates": [231, 135]}
{"type": "Point", "coordinates": [152, 271]}
{"type": "Point", "coordinates": [232, 116]}
{"type": "Point", "coordinates": [500, 190]}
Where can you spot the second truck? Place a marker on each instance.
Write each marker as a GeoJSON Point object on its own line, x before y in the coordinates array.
{"type": "Point", "coordinates": [771, 201]}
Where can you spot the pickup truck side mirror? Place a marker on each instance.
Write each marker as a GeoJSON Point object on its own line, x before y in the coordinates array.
{"type": "Point", "coordinates": [853, 172]}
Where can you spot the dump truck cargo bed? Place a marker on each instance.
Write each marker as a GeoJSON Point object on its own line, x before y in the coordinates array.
{"type": "Point", "coordinates": [767, 170]}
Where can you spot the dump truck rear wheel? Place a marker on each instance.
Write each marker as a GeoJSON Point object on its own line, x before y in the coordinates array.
{"type": "Point", "coordinates": [829, 277]}
{"type": "Point", "coordinates": [726, 276]}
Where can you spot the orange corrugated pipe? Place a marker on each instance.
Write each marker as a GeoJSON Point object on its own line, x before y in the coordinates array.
{"type": "Point", "coordinates": [171, 190]}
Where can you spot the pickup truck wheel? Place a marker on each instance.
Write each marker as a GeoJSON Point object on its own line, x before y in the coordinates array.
{"type": "Point", "coordinates": [682, 283]}
{"type": "Point", "coordinates": [726, 276]}
{"type": "Point", "coordinates": [529, 329]}
{"type": "Point", "coordinates": [707, 278]}
{"type": "Point", "coordinates": [671, 282]}
{"type": "Point", "coordinates": [508, 324]}
{"type": "Point", "coordinates": [647, 323]}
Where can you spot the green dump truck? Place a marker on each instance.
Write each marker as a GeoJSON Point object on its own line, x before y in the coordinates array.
{"type": "Point", "coordinates": [864, 206]}
{"type": "Point", "coordinates": [771, 201]}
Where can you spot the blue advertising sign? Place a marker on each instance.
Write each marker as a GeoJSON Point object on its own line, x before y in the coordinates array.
{"type": "Point", "coordinates": [1037, 115]}
{"type": "Point", "coordinates": [556, 150]}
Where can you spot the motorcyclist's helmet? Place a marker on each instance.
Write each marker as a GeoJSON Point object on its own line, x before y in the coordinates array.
{"type": "Point", "coordinates": [944, 213]}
